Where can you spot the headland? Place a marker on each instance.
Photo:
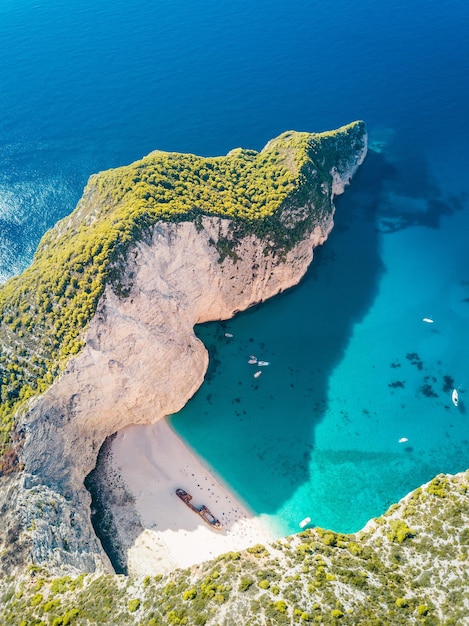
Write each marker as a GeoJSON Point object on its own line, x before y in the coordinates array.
{"type": "Point", "coordinates": [98, 332]}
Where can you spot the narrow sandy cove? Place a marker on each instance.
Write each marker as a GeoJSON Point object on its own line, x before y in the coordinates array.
{"type": "Point", "coordinates": [153, 462]}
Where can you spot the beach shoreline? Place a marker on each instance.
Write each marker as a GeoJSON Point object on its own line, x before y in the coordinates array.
{"type": "Point", "coordinates": [156, 530]}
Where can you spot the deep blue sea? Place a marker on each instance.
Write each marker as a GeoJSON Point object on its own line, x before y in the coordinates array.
{"type": "Point", "coordinates": [89, 85]}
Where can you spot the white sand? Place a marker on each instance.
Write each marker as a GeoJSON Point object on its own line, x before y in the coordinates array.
{"type": "Point", "coordinates": [153, 462]}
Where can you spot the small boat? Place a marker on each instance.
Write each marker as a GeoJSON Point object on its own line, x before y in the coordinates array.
{"type": "Point", "coordinates": [208, 517]}
{"type": "Point", "coordinates": [185, 497]}
{"type": "Point", "coordinates": [403, 440]}
{"type": "Point", "coordinates": [427, 320]}
{"type": "Point", "coordinates": [229, 335]}
{"type": "Point", "coordinates": [455, 397]}
{"type": "Point", "coordinates": [263, 363]}
{"type": "Point", "coordinates": [252, 361]}
{"type": "Point", "coordinates": [257, 374]}
{"type": "Point", "coordinates": [203, 511]}
{"type": "Point", "coordinates": [304, 522]}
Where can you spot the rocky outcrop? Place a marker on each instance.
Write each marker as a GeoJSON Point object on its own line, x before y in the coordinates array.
{"type": "Point", "coordinates": [142, 361]}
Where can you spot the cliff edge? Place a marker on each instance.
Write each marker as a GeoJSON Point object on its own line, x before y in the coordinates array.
{"type": "Point", "coordinates": [98, 333]}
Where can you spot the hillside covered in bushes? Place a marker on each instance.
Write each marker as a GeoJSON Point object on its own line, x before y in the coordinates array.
{"type": "Point", "coordinates": [406, 567]}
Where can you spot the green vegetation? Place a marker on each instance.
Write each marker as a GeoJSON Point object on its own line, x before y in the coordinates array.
{"type": "Point", "coordinates": [439, 486]}
{"type": "Point", "coordinates": [399, 531]}
{"type": "Point", "coordinates": [134, 605]}
{"type": "Point", "coordinates": [45, 311]}
{"type": "Point", "coordinates": [422, 579]}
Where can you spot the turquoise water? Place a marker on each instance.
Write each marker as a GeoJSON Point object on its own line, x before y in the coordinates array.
{"type": "Point", "coordinates": [90, 85]}
{"type": "Point", "coordinates": [353, 367]}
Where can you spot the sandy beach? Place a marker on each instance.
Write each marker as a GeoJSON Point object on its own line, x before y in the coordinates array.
{"type": "Point", "coordinates": [150, 463]}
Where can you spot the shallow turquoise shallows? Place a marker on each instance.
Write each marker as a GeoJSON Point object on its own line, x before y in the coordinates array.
{"type": "Point", "coordinates": [89, 85]}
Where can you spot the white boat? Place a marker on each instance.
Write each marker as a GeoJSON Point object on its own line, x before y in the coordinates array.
{"type": "Point", "coordinates": [427, 320]}
{"type": "Point", "coordinates": [252, 361]}
{"type": "Point", "coordinates": [263, 363]}
{"type": "Point", "coordinates": [229, 335]}
{"type": "Point", "coordinates": [304, 522]}
{"type": "Point", "coordinates": [403, 440]}
{"type": "Point", "coordinates": [257, 374]}
{"type": "Point", "coordinates": [455, 397]}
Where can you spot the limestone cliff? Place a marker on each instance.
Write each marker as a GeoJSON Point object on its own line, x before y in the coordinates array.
{"type": "Point", "coordinates": [140, 358]}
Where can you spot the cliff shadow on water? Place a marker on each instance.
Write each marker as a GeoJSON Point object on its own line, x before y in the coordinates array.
{"type": "Point", "coordinates": [258, 433]}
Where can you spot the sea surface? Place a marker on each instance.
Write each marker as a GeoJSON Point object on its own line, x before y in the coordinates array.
{"type": "Point", "coordinates": [353, 367]}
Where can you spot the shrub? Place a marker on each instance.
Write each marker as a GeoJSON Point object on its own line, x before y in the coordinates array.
{"type": "Point", "coordinates": [50, 605]}
{"type": "Point", "coordinates": [399, 531]}
{"type": "Point", "coordinates": [133, 605]}
{"type": "Point", "coordinates": [329, 538]}
{"type": "Point", "coordinates": [304, 549]}
{"type": "Point", "coordinates": [61, 585]}
{"type": "Point", "coordinates": [280, 606]}
{"type": "Point", "coordinates": [354, 548]}
{"type": "Point", "coordinates": [36, 599]}
{"type": "Point", "coordinates": [258, 550]}
{"type": "Point", "coordinates": [439, 486]}
{"type": "Point", "coordinates": [190, 594]}
{"type": "Point", "coordinates": [245, 584]}
{"type": "Point", "coordinates": [66, 619]}
{"type": "Point", "coordinates": [229, 556]}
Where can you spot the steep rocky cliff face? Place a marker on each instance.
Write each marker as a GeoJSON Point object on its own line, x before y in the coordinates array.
{"type": "Point", "coordinates": [142, 361]}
